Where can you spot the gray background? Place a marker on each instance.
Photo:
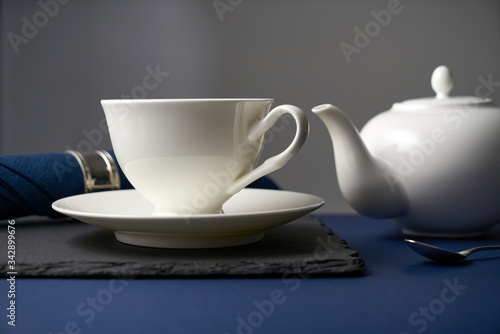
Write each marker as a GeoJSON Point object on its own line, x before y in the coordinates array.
{"type": "Point", "coordinates": [289, 50]}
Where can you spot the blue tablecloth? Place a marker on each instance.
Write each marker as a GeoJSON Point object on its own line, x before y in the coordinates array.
{"type": "Point", "coordinates": [401, 293]}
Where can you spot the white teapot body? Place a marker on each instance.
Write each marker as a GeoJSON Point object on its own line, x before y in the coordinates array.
{"type": "Point", "coordinates": [432, 165]}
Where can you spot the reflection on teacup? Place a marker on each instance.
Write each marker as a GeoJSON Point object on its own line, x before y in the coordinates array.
{"type": "Point", "coordinates": [189, 156]}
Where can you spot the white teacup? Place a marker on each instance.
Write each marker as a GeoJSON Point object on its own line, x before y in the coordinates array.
{"type": "Point", "coordinates": [189, 156]}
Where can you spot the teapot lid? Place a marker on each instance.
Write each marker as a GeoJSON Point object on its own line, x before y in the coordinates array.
{"type": "Point", "coordinates": [442, 83]}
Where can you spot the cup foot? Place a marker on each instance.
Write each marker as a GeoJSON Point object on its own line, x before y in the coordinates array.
{"type": "Point", "coordinates": [161, 240]}
{"type": "Point", "coordinates": [186, 214]}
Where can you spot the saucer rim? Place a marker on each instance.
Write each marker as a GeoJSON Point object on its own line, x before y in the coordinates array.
{"type": "Point", "coordinates": [319, 202]}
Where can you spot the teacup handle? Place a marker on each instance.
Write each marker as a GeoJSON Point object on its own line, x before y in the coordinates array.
{"type": "Point", "coordinates": [275, 162]}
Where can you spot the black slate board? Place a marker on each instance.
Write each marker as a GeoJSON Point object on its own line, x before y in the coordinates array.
{"type": "Point", "coordinates": [303, 248]}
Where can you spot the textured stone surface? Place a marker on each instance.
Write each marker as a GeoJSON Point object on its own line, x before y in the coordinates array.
{"type": "Point", "coordinates": [302, 248]}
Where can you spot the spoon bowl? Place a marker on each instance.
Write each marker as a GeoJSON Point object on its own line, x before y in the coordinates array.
{"type": "Point", "coordinates": [439, 254]}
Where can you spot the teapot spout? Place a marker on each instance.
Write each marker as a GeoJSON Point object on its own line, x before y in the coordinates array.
{"type": "Point", "coordinates": [366, 182]}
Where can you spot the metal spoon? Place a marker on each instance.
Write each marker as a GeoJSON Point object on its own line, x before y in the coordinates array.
{"type": "Point", "coordinates": [443, 255]}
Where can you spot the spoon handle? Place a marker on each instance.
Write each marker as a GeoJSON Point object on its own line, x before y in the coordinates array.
{"type": "Point", "coordinates": [481, 248]}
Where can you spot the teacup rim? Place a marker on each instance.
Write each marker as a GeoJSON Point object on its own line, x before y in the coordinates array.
{"type": "Point", "coordinates": [231, 99]}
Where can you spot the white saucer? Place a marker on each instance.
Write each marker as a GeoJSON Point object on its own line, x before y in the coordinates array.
{"type": "Point", "coordinates": [246, 216]}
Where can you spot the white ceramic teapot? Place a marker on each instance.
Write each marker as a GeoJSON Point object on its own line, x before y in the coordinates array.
{"type": "Point", "coordinates": [431, 164]}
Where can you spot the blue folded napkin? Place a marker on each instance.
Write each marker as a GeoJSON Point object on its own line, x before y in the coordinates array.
{"type": "Point", "coordinates": [29, 184]}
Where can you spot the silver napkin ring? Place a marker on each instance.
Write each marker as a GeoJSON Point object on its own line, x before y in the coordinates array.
{"type": "Point", "coordinates": [100, 171]}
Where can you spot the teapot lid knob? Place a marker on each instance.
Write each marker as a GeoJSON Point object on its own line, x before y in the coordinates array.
{"type": "Point", "coordinates": [442, 82]}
